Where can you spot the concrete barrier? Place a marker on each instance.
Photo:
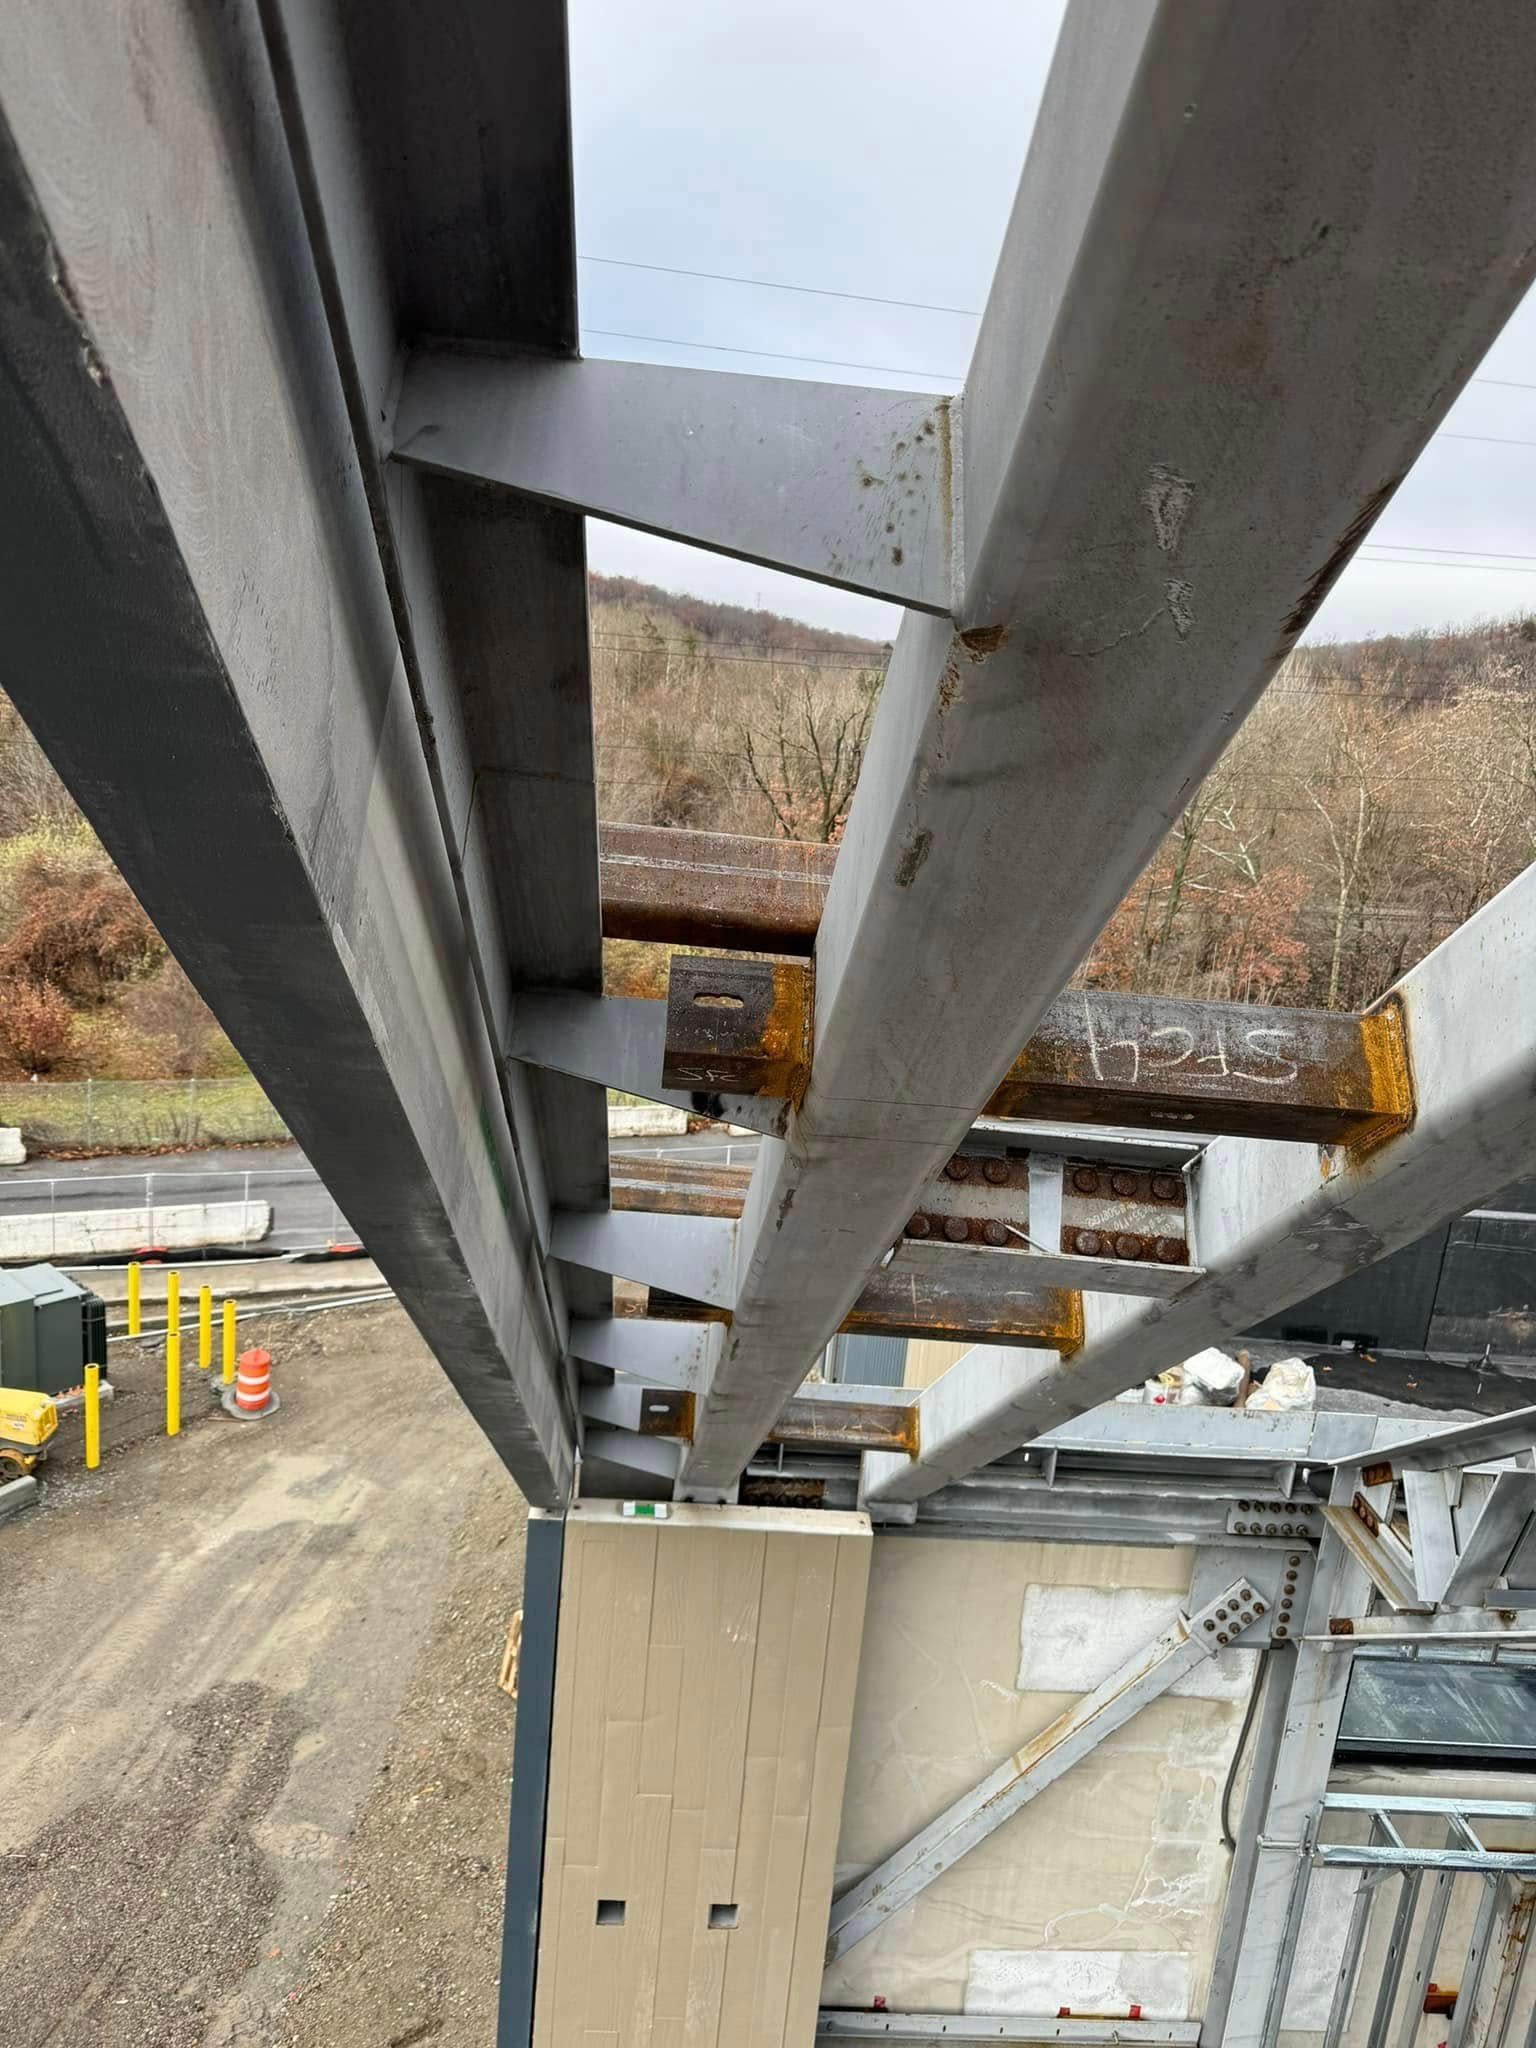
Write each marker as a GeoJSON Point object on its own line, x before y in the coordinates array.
{"type": "Point", "coordinates": [645, 1120]}
{"type": "Point", "coordinates": [17, 1494]}
{"type": "Point", "coordinates": [83, 1233]}
{"type": "Point", "coordinates": [246, 1281]}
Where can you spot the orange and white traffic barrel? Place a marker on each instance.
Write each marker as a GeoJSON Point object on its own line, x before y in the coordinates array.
{"type": "Point", "coordinates": [252, 1394]}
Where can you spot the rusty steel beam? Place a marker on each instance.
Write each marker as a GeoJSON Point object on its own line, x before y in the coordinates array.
{"type": "Point", "coordinates": [742, 1026]}
{"type": "Point", "coordinates": [1239, 1070]}
{"type": "Point", "coordinates": [677, 1187]}
{"type": "Point", "coordinates": [712, 888]}
{"type": "Point", "coordinates": [848, 1426]}
{"type": "Point", "coordinates": [896, 1304]}
{"type": "Point", "coordinates": [1157, 1063]}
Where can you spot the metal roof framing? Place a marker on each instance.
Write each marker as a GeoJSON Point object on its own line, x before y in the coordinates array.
{"type": "Point", "coordinates": [311, 487]}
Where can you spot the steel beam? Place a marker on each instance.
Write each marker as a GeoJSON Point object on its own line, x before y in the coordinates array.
{"type": "Point", "coordinates": [1137, 1062]}
{"type": "Point", "coordinates": [1464, 1443]}
{"type": "Point", "coordinates": [620, 1042]}
{"type": "Point", "coordinates": [970, 2030]}
{"type": "Point", "coordinates": [671, 1353]}
{"type": "Point", "coordinates": [689, 1255]}
{"type": "Point", "coordinates": [1275, 1222]}
{"type": "Point", "coordinates": [909, 1870]}
{"type": "Point", "coordinates": [1260, 1966]}
{"type": "Point", "coordinates": [192, 541]}
{"type": "Point", "coordinates": [680, 888]}
{"type": "Point", "coordinates": [1147, 529]}
{"type": "Point", "coordinates": [847, 486]}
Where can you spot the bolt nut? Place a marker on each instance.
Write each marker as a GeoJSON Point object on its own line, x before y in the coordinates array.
{"type": "Point", "coordinates": [959, 1168]}
{"type": "Point", "coordinates": [996, 1172]}
{"type": "Point", "coordinates": [995, 1232]}
{"type": "Point", "coordinates": [1085, 1180]}
{"type": "Point", "coordinates": [1170, 1250]}
{"type": "Point", "coordinates": [956, 1229]}
{"type": "Point", "coordinates": [918, 1226]}
{"type": "Point", "coordinates": [1166, 1187]}
{"type": "Point", "coordinates": [1124, 1183]}
{"type": "Point", "coordinates": [1129, 1246]}
{"type": "Point", "coordinates": [1090, 1244]}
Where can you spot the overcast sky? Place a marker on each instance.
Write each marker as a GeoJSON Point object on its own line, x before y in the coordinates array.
{"type": "Point", "coordinates": [819, 142]}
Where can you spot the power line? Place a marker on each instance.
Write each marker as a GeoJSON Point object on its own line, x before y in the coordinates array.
{"type": "Point", "coordinates": [769, 284]}
{"type": "Point", "coordinates": [773, 355]}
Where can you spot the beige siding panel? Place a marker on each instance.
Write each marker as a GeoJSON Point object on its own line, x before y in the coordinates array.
{"type": "Point", "coordinates": [703, 1689]}
{"type": "Point", "coordinates": [839, 1690]}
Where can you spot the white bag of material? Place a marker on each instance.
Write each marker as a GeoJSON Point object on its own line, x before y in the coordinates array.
{"type": "Point", "coordinates": [1217, 1376]}
{"type": "Point", "coordinates": [1290, 1384]}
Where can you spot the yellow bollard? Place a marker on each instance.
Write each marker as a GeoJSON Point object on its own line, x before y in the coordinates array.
{"type": "Point", "coordinates": [204, 1327]}
{"type": "Point", "coordinates": [92, 1417]}
{"type": "Point", "coordinates": [172, 1354]}
{"type": "Point", "coordinates": [173, 1382]}
{"type": "Point", "coordinates": [229, 1343]}
{"type": "Point", "coordinates": [133, 1299]}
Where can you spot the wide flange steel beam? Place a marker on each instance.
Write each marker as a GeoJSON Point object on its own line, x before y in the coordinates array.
{"type": "Point", "coordinates": [669, 885]}
{"type": "Point", "coordinates": [1157, 1063]}
{"type": "Point", "coordinates": [1276, 1222]}
{"type": "Point", "coordinates": [203, 638]}
{"type": "Point", "coordinates": [1255, 256]}
{"type": "Point", "coordinates": [844, 485]}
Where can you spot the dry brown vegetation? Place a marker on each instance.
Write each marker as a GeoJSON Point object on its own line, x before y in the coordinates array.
{"type": "Point", "coordinates": [1381, 792]}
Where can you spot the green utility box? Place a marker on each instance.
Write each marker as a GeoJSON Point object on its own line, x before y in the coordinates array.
{"type": "Point", "coordinates": [50, 1330]}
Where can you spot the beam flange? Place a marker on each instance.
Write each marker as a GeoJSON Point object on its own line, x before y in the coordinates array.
{"type": "Point", "coordinates": [689, 1255]}
{"type": "Point", "coordinates": [844, 485]}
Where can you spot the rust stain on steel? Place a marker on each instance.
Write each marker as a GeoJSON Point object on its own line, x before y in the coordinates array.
{"type": "Point", "coordinates": [848, 1425]}
{"type": "Point", "coordinates": [712, 888]}
{"type": "Point", "coordinates": [1244, 1070]}
{"type": "Point", "coordinates": [666, 1411]}
{"type": "Point", "coordinates": [679, 1187]}
{"type": "Point", "coordinates": [743, 1026]}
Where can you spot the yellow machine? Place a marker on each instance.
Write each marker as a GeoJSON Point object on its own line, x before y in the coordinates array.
{"type": "Point", "coordinates": [27, 1421]}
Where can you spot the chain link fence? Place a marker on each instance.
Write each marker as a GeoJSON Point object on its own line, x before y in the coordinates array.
{"type": "Point", "coordinates": [137, 1116]}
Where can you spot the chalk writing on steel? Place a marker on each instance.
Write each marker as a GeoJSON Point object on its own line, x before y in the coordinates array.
{"type": "Point", "coordinates": [1259, 1055]}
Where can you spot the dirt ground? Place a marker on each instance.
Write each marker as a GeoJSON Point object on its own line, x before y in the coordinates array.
{"type": "Point", "coordinates": [255, 1765]}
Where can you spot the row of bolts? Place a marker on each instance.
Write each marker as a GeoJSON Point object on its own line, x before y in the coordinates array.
{"type": "Point", "coordinates": [172, 1355]}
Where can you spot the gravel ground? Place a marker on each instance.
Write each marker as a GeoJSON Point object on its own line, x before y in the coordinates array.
{"type": "Point", "coordinates": [254, 1784]}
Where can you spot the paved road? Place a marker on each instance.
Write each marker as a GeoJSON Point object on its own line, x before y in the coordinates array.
{"type": "Point", "coordinates": [302, 1212]}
